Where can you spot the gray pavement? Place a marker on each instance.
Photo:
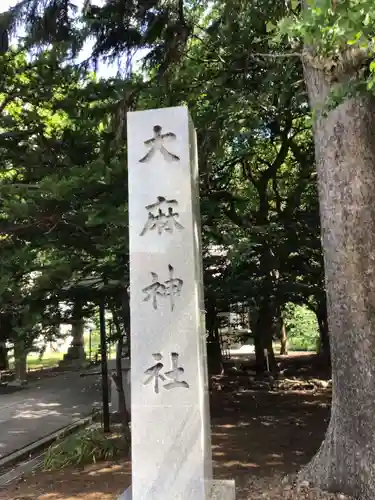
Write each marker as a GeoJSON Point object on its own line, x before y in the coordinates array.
{"type": "Point", "coordinates": [45, 406]}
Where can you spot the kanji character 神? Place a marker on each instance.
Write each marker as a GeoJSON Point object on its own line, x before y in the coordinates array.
{"type": "Point", "coordinates": [170, 288]}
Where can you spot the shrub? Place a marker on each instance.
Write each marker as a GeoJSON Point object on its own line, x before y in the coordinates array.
{"type": "Point", "coordinates": [302, 328]}
{"type": "Point", "coordinates": [86, 446]}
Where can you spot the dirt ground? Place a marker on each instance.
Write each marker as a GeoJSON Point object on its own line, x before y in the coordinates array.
{"type": "Point", "coordinates": [259, 435]}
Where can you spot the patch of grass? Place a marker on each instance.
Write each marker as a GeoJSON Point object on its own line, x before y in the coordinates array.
{"type": "Point", "coordinates": [84, 447]}
{"type": "Point", "coordinates": [49, 360]}
{"type": "Point", "coordinates": [302, 343]}
{"type": "Point", "coordinates": [35, 362]}
{"type": "Point", "coordinates": [302, 328]}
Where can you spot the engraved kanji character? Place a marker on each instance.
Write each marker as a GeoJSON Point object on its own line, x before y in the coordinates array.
{"type": "Point", "coordinates": [173, 286]}
{"type": "Point", "coordinates": [154, 290]}
{"type": "Point", "coordinates": [154, 372]}
{"type": "Point", "coordinates": [157, 144]}
{"type": "Point", "coordinates": [175, 374]}
{"type": "Point", "coordinates": [162, 221]}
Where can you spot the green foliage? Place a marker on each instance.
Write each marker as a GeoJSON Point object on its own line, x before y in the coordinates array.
{"type": "Point", "coordinates": [302, 328]}
{"type": "Point", "coordinates": [86, 446]}
{"type": "Point", "coordinates": [342, 29]}
{"type": "Point", "coordinates": [64, 183]}
{"type": "Point", "coordinates": [62, 195]}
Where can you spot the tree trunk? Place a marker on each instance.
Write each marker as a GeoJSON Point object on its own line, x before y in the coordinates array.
{"type": "Point", "coordinates": [4, 363]}
{"type": "Point", "coordinates": [117, 378]}
{"type": "Point", "coordinates": [125, 313]}
{"type": "Point", "coordinates": [283, 339]}
{"type": "Point", "coordinates": [20, 362]}
{"type": "Point", "coordinates": [345, 155]}
{"type": "Point", "coordinates": [263, 340]}
{"type": "Point", "coordinates": [5, 334]}
{"type": "Point", "coordinates": [214, 354]}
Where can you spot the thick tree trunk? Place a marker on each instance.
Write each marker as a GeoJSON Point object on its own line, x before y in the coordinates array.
{"type": "Point", "coordinates": [345, 154]}
{"type": "Point", "coordinates": [214, 355]}
{"type": "Point", "coordinates": [263, 340]}
{"type": "Point", "coordinates": [20, 362]}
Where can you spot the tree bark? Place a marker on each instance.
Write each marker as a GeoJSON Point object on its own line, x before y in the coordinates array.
{"type": "Point", "coordinates": [125, 314]}
{"type": "Point", "coordinates": [117, 378]}
{"type": "Point", "coordinates": [283, 339]}
{"type": "Point", "coordinates": [263, 340]}
{"type": "Point", "coordinates": [321, 314]}
{"type": "Point", "coordinates": [345, 156]}
{"type": "Point", "coordinates": [5, 334]}
{"type": "Point", "coordinates": [214, 354]}
{"type": "Point", "coordinates": [4, 363]}
{"type": "Point", "coordinates": [20, 361]}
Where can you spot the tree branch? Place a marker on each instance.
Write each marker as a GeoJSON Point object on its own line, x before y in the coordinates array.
{"type": "Point", "coordinates": [277, 56]}
{"type": "Point", "coordinates": [248, 173]}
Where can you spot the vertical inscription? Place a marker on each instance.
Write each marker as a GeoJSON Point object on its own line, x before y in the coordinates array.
{"type": "Point", "coordinates": [156, 289]}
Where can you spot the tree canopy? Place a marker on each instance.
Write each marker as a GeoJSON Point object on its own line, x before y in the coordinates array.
{"type": "Point", "coordinates": [258, 190]}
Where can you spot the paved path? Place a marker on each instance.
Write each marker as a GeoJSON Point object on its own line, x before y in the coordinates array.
{"type": "Point", "coordinates": [45, 407]}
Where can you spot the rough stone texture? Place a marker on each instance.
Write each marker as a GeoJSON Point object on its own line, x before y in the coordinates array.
{"type": "Point", "coordinates": [223, 490]}
{"type": "Point", "coordinates": [76, 356]}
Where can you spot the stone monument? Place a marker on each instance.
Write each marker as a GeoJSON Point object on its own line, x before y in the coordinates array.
{"type": "Point", "coordinates": [171, 437]}
{"type": "Point", "coordinates": [75, 356]}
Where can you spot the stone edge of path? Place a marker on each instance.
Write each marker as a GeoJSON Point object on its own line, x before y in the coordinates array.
{"type": "Point", "coordinates": [27, 451]}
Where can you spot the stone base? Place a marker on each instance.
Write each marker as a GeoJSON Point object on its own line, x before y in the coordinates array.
{"type": "Point", "coordinates": [127, 494]}
{"type": "Point", "coordinates": [224, 489]}
{"type": "Point", "coordinates": [75, 357]}
{"type": "Point", "coordinates": [17, 383]}
{"type": "Point", "coordinates": [72, 363]}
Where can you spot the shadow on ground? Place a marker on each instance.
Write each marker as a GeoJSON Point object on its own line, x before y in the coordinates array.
{"type": "Point", "coordinates": [9, 389]}
{"type": "Point", "coordinates": [257, 437]}
{"type": "Point", "coordinates": [42, 409]}
{"type": "Point", "coordinates": [261, 433]}
{"type": "Point", "coordinates": [104, 481]}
